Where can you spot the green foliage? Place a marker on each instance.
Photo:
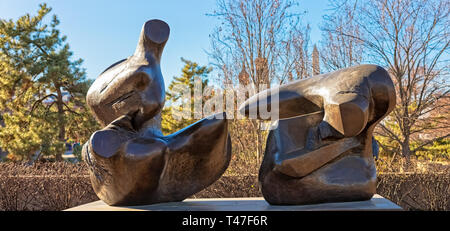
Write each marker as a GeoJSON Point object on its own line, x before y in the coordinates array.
{"type": "Point", "coordinates": [189, 73]}
{"type": "Point", "coordinates": [422, 149]}
{"type": "Point", "coordinates": [77, 151]}
{"type": "Point", "coordinates": [389, 146]}
{"type": "Point", "coordinates": [36, 73]}
{"type": "Point", "coordinates": [438, 150]}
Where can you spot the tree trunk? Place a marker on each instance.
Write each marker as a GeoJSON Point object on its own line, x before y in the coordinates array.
{"type": "Point", "coordinates": [61, 123]}
{"type": "Point", "coordinates": [256, 126]}
{"type": "Point", "coordinates": [260, 142]}
{"type": "Point", "coordinates": [406, 153]}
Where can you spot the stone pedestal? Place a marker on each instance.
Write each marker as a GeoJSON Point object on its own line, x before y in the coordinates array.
{"type": "Point", "coordinates": [377, 203]}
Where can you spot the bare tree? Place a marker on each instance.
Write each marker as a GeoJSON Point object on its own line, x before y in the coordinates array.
{"type": "Point", "coordinates": [341, 46]}
{"type": "Point", "coordinates": [411, 39]}
{"type": "Point", "coordinates": [261, 37]}
{"type": "Point", "coordinates": [260, 42]}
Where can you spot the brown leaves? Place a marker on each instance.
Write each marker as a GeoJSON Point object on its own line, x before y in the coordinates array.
{"type": "Point", "coordinates": [44, 186]}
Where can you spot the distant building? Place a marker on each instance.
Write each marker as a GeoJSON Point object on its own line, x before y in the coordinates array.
{"type": "Point", "coordinates": [443, 127]}
{"type": "Point", "coordinates": [315, 61]}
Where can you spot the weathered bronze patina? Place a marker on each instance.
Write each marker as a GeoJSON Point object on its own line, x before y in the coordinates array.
{"type": "Point", "coordinates": [322, 149]}
{"type": "Point", "coordinates": [131, 162]}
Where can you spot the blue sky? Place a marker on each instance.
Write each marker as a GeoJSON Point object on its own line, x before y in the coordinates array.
{"type": "Point", "coordinates": [102, 32]}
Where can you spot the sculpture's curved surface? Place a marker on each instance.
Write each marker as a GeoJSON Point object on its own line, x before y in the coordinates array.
{"type": "Point", "coordinates": [130, 161]}
{"type": "Point", "coordinates": [322, 149]}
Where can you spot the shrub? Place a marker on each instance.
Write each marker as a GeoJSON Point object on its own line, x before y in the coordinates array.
{"type": "Point", "coordinates": [61, 185]}
{"type": "Point", "coordinates": [44, 186]}
{"type": "Point", "coordinates": [416, 191]}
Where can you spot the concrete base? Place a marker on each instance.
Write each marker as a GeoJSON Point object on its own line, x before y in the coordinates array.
{"type": "Point", "coordinates": [377, 203]}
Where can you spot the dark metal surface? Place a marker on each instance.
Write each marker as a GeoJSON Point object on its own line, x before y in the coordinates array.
{"type": "Point", "coordinates": [131, 162]}
{"type": "Point", "coordinates": [322, 149]}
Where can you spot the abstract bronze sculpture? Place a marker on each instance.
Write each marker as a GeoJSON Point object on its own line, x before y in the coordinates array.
{"type": "Point", "coordinates": [131, 162]}
{"type": "Point", "coordinates": [322, 150]}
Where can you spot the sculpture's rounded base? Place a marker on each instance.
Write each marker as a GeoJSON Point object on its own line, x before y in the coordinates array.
{"type": "Point", "coordinates": [350, 178]}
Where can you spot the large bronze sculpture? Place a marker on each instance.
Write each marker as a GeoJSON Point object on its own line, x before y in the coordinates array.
{"type": "Point", "coordinates": [131, 162]}
{"type": "Point", "coordinates": [322, 149]}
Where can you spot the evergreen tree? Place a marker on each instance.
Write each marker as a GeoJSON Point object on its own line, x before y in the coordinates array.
{"type": "Point", "coordinates": [189, 73]}
{"type": "Point", "coordinates": [42, 91]}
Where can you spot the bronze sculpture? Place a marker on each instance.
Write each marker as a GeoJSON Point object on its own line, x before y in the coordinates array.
{"type": "Point", "coordinates": [131, 162]}
{"type": "Point", "coordinates": [322, 149]}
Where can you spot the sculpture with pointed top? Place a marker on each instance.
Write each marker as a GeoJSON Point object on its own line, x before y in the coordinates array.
{"type": "Point", "coordinates": [130, 161]}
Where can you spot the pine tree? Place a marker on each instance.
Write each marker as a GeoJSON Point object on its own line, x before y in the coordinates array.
{"type": "Point", "coordinates": [189, 73]}
{"type": "Point", "coordinates": [42, 91]}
